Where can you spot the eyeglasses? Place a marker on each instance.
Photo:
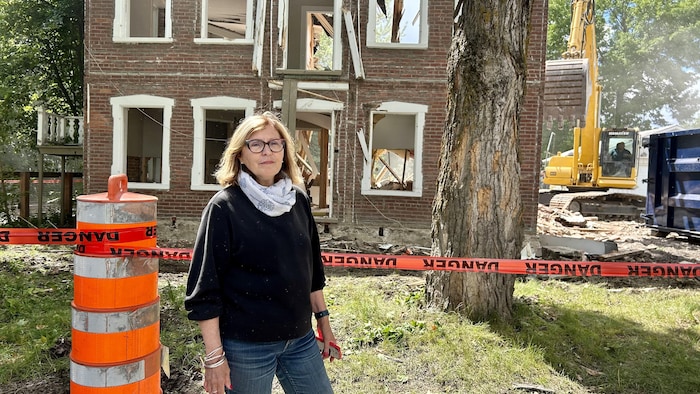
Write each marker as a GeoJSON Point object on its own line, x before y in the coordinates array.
{"type": "Point", "coordinates": [257, 146]}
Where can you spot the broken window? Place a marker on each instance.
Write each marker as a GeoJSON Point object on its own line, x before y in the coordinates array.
{"type": "Point", "coordinates": [226, 21]}
{"type": "Point", "coordinates": [142, 20]}
{"type": "Point", "coordinates": [395, 150]}
{"type": "Point", "coordinates": [313, 34]}
{"type": "Point", "coordinates": [141, 141]}
{"type": "Point", "coordinates": [215, 119]}
{"type": "Point", "coordinates": [398, 23]}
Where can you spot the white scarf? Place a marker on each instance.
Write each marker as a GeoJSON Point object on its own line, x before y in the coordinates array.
{"type": "Point", "coordinates": [272, 200]}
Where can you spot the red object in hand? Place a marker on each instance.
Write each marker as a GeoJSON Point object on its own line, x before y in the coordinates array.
{"type": "Point", "coordinates": [334, 348]}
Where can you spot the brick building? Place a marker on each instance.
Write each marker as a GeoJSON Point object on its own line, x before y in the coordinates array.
{"type": "Point", "coordinates": [364, 89]}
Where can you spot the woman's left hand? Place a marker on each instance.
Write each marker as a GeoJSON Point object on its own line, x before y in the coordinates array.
{"type": "Point", "coordinates": [323, 327]}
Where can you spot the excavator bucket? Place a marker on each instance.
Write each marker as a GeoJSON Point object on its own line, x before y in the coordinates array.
{"type": "Point", "coordinates": [565, 92]}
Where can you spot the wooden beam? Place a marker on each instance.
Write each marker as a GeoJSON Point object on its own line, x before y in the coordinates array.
{"type": "Point", "coordinates": [289, 104]}
{"type": "Point", "coordinates": [354, 51]}
{"type": "Point", "coordinates": [324, 23]}
{"type": "Point", "coordinates": [323, 174]}
{"type": "Point", "coordinates": [259, 37]}
{"type": "Point", "coordinates": [24, 195]}
{"type": "Point", "coordinates": [66, 197]}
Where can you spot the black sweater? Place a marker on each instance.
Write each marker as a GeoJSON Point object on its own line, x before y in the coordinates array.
{"type": "Point", "coordinates": [253, 271]}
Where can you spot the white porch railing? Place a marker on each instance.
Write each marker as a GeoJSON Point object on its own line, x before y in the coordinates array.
{"type": "Point", "coordinates": [55, 129]}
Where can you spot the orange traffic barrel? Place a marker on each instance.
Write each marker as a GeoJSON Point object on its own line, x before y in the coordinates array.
{"type": "Point", "coordinates": [138, 376]}
{"type": "Point", "coordinates": [116, 309]}
{"type": "Point", "coordinates": [114, 282]}
{"type": "Point", "coordinates": [114, 336]}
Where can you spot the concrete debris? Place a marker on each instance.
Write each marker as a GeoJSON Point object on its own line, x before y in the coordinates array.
{"type": "Point", "coordinates": [572, 220]}
{"type": "Point", "coordinates": [366, 247]}
{"type": "Point", "coordinates": [587, 246]}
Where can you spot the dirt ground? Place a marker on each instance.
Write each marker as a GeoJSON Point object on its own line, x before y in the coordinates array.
{"type": "Point", "coordinates": [634, 242]}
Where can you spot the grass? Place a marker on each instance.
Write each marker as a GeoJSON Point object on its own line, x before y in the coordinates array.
{"type": "Point", "coordinates": [567, 336]}
{"type": "Point", "coordinates": [34, 314]}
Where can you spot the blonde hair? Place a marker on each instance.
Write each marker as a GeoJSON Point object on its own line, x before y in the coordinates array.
{"type": "Point", "coordinates": [229, 166]}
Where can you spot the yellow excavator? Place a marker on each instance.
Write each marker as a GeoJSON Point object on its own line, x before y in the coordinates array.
{"type": "Point", "coordinates": [601, 159]}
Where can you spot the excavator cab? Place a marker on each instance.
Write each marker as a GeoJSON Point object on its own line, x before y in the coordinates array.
{"type": "Point", "coordinates": [617, 159]}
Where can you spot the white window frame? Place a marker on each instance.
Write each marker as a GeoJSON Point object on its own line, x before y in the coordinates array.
{"type": "Point", "coordinates": [398, 108]}
{"type": "Point", "coordinates": [122, 23]}
{"type": "Point", "coordinates": [372, 28]}
{"type": "Point", "coordinates": [199, 108]}
{"type": "Point", "coordinates": [283, 38]}
{"type": "Point", "coordinates": [120, 106]}
{"type": "Point", "coordinates": [204, 27]}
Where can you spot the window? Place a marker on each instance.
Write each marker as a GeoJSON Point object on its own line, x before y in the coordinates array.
{"type": "Point", "coordinates": [226, 21]}
{"type": "Point", "coordinates": [397, 24]}
{"type": "Point", "coordinates": [394, 165]}
{"type": "Point", "coordinates": [141, 140]}
{"type": "Point", "coordinates": [313, 41]}
{"type": "Point", "coordinates": [142, 21]}
{"type": "Point", "coordinates": [215, 119]}
{"type": "Point", "coordinates": [618, 152]}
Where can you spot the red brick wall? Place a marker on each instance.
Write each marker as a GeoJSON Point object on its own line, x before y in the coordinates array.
{"type": "Point", "coordinates": [531, 118]}
{"type": "Point", "coordinates": [183, 70]}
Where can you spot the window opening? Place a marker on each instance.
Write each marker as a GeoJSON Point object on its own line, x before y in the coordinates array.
{"type": "Point", "coordinates": [319, 52]}
{"type": "Point", "coordinates": [141, 140]}
{"type": "Point", "coordinates": [144, 145]}
{"type": "Point", "coordinates": [142, 21]}
{"type": "Point", "coordinates": [393, 152]}
{"type": "Point", "coordinates": [310, 35]}
{"type": "Point", "coordinates": [219, 127]}
{"type": "Point", "coordinates": [313, 158]}
{"type": "Point", "coordinates": [215, 119]}
{"type": "Point", "coordinates": [397, 22]}
{"type": "Point", "coordinates": [147, 18]}
{"type": "Point", "coordinates": [227, 20]}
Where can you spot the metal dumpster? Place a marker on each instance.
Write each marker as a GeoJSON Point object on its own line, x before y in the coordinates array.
{"type": "Point", "coordinates": [673, 183]}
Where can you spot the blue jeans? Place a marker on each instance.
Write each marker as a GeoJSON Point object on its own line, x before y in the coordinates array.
{"type": "Point", "coordinates": [297, 363]}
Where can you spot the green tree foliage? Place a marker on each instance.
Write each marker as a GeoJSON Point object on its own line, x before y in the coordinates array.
{"type": "Point", "coordinates": [42, 41]}
{"type": "Point", "coordinates": [41, 47]}
{"type": "Point", "coordinates": [41, 50]}
{"type": "Point", "coordinates": [649, 62]}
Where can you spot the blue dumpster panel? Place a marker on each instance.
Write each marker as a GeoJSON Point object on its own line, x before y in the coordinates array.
{"type": "Point", "coordinates": [673, 183]}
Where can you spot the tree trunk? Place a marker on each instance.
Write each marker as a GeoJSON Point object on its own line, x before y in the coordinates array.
{"type": "Point", "coordinates": [477, 210]}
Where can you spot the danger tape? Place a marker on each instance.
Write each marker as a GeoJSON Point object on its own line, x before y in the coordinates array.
{"type": "Point", "coordinates": [110, 244]}
{"type": "Point", "coordinates": [51, 236]}
{"type": "Point", "coordinates": [489, 266]}
{"type": "Point", "coordinates": [518, 267]}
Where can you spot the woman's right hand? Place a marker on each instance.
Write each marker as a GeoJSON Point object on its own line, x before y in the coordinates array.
{"type": "Point", "coordinates": [216, 379]}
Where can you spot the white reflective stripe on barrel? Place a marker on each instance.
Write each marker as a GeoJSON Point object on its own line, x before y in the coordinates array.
{"type": "Point", "coordinates": [113, 267]}
{"type": "Point", "coordinates": [115, 213]}
{"type": "Point", "coordinates": [109, 322]}
{"type": "Point", "coordinates": [118, 375]}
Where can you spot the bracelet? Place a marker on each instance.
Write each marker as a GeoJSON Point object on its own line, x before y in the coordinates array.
{"type": "Point", "coordinates": [321, 314]}
{"type": "Point", "coordinates": [210, 356]}
{"type": "Point", "coordinates": [216, 364]}
{"type": "Point", "coordinates": [208, 360]}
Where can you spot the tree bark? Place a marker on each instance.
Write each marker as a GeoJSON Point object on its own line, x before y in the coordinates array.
{"type": "Point", "coordinates": [477, 211]}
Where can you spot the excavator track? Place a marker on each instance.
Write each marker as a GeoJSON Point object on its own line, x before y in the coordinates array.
{"type": "Point", "coordinates": [604, 205]}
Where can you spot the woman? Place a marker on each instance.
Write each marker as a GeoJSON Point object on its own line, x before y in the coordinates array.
{"type": "Point", "coordinates": [256, 274]}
